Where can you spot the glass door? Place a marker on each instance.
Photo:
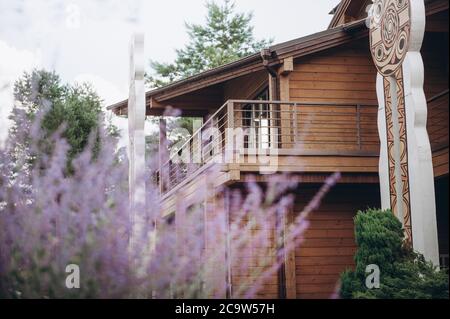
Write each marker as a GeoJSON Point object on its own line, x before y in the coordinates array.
{"type": "Point", "coordinates": [257, 122]}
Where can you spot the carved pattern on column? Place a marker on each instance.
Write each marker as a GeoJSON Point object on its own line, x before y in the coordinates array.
{"type": "Point", "coordinates": [390, 146]}
{"type": "Point", "coordinates": [404, 168]}
{"type": "Point", "coordinates": [403, 137]}
{"type": "Point", "coordinates": [403, 151]}
{"type": "Point", "coordinates": [390, 33]}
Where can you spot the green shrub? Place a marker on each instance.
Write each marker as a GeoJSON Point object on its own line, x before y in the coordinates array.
{"type": "Point", "coordinates": [404, 274]}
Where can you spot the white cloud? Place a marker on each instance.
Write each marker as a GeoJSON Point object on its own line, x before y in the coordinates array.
{"type": "Point", "coordinates": [108, 91]}
{"type": "Point", "coordinates": [13, 62]}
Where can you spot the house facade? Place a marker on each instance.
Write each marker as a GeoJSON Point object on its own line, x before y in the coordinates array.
{"type": "Point", "coordinates": [310, 105]}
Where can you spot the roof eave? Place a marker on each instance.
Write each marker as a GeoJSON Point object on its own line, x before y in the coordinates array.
{"type": "Point", "coordinates": [303, 46]}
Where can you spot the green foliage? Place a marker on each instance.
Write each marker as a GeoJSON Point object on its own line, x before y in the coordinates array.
{"type": "Point", "coordinates": [75, 108]}
{"type": "Point", "coordinates": [38, 88]}
{"type": "Point", "coordinates": [226, 37]}
{"type": "Point", "coordinates": [404, 274]}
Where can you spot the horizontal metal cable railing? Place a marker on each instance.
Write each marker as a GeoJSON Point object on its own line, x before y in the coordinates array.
{"type": "Point", "coordinates": [250, 126]}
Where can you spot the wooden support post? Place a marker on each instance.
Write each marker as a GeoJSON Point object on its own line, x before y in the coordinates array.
{"type": "Point", "coordinates": [287, 67]}
{"type": "Point", "coordinates": [289, 261]}
{"type": "Point", "coordinates": [197, 144]}
{"type": "Point", "coordinates": [163, 156]}
{"type": "Point", "coordinates": [285, 110]}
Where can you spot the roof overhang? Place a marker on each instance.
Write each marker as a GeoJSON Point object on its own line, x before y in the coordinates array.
{"type": "Point", "coordinates": [354, 8]}
{"type": "Point", "coordinates": [295, 48]}
{"type": "Point", "coordinates": [332, 37]}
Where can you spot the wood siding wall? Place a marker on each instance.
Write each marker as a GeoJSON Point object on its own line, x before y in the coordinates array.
{"type": "Point", "coordinates": [435, 52]}
{"type": "Point", "coordinates": [342, 75]}
{"type": "Point", "coordinates": [437, 124]}
{"type": "Point", "coordinates": [347, 75]}
{"type": "Point", "coordinates": [329, 242]}
{"type": "Point", "coordinates": [248, 262]}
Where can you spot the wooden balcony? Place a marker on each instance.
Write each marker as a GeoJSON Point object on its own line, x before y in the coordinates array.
{"type": "Point", "coordinates": [242, 128]}
{"type": "Point", "coordinates": [327, 134]}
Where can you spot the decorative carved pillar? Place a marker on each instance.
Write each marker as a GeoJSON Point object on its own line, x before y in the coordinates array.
{"type": "Point", "coordinates": [406, 171]}
{"type": "Point", "coordinates": [136, 122]}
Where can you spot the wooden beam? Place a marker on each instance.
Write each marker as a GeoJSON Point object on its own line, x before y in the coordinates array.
{"type": "Point", "coordinates": [185, 112]}
{"type": "Point", "coordinates": [436, 7]}
{"type": "Point", "coordinates": [287, 66]}
{"type": "Point", "coordinates": [153, 103]}
{"type": "Point", "coordinates": [210, 80]}
{"type": "Point", "coordinates": [318, 178]}
{"type": "Point", "coordinates": [340, 12]}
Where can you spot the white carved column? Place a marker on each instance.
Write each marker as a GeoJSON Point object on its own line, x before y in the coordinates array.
{"type": "Point", "coordinates": [397, 29]}
{"type": "Point", "coordinates": [136, 122]}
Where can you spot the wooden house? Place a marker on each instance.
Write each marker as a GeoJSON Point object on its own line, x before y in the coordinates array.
{"type": "Point", "coordinates": [314, 101]}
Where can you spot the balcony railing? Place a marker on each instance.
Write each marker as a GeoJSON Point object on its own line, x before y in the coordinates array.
{"type": "Point", "coordinates": [294, 128]}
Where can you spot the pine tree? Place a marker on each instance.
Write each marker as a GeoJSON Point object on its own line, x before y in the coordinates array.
{"type": "Point", "coordinates": [226, 37]}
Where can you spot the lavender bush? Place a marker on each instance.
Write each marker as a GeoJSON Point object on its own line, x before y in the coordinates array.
{"type": "Point", "coordinates": [50, 219]}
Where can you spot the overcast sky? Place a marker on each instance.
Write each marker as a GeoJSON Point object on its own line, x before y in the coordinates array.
{"type": "Point", "coordinates": [87, 40]}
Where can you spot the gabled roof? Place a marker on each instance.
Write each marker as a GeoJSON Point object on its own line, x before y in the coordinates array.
{"type": "Point", "coordinates": [333, 11]}
{"type": "Point", "coordinates": [348, 10]}
{"type": "Point", "coordinates": [338, 12]}
{"type": "Point", "coordinates": [332, 37]}
{"type": "Point", "coordinates": [295, 48]}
